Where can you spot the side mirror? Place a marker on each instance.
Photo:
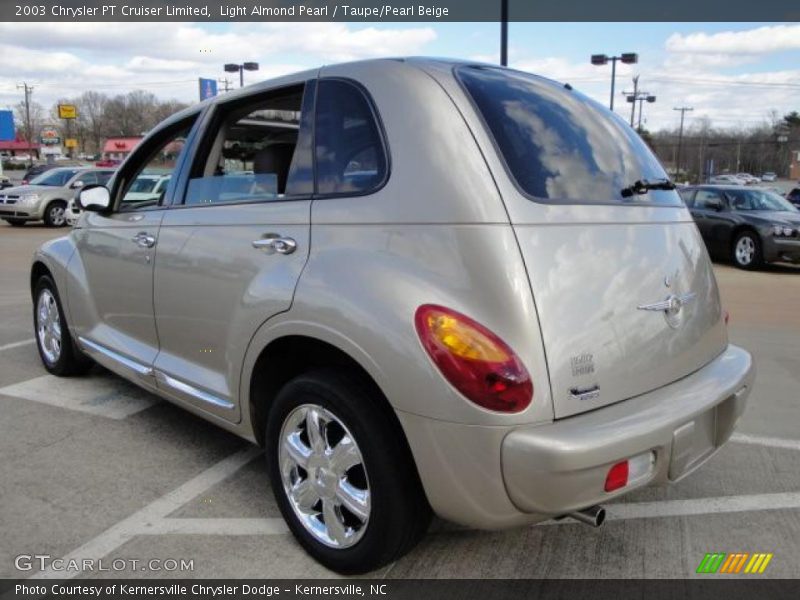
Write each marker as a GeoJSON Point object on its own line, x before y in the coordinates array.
{"type": "Point", "coordinates": [95, 198]}
{"type": "Point", "coordinates": [77, 184]}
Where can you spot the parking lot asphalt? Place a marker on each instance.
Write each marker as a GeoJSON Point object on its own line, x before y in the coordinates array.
{"type": "Point", "coordinates": [95, 468]}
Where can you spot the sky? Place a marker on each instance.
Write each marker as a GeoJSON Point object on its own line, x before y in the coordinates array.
{"type": "Point", "coordinates": [735, 74]}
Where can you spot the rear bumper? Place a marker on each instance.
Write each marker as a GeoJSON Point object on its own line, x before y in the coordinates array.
{"type": "Point", "coordinates": [495, 477]}
{"type": "Point", "coordinates": [562, 467]}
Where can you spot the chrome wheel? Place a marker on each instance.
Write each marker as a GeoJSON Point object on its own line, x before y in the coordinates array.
{"type": "Point", "coordinates": [745, 250]}
{"type": "Point", "coordinates": [58, 216]}
{"type": "Point", "coordinates": [324, 476]}
{"type": "Point", "coordinates": [48, 326]}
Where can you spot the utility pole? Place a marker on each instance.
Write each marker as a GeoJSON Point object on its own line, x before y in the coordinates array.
{"type": "Point", "coordinates": [634, 95]}
{"type": "Point", "coordinates": [639, 96]}
{"type": "Point", "coordinates": [683, 110]}
{"type": "Point", "coordinates": [504, 33]}
{"type": "Point", "coordinates": [28, 91]}
{"type": "Point", "coordinates": [226, 83]}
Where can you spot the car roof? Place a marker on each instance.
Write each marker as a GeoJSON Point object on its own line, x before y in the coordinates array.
{"type": "Point", "coordinates": [722, 186]}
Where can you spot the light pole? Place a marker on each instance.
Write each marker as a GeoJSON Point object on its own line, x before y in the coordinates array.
{"type": "Point", "coordinates": [628, 58]}
{"type": "Point", "coordinates": [248, 66]}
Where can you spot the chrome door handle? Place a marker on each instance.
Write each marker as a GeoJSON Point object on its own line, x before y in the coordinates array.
{"type": "Point", "coordinates": [274, 243]}
{"type": "Point", "coordinates": [144, 240]}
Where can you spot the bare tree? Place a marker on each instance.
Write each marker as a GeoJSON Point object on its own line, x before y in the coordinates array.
{"type": "Point", "coordinates": [31, 125]}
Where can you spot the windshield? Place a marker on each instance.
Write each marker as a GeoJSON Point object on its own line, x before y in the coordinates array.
{"type": "Point", "coordinates": [56, 177]}
{"type": "Point", "coordinates": [560, 146]}
{"type": "Point", "coordinates": [758, 200]}
{"type": "Point", "coordinates": [143, 185]}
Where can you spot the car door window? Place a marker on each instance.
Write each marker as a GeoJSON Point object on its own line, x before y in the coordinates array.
{"type": "Point", "coordinates": [104, 176]}
{"type": "Point", "coordinates": [707, 199]}
{"type": "Point", "coordinates": [254, 150]}
{"type": "Point", "coordinates": [350, 153]}
{"type": "Point", "coordinates": [160, 157]}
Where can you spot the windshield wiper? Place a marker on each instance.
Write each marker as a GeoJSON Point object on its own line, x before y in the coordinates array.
{"type": "Point", "coordinates": [644, 185]}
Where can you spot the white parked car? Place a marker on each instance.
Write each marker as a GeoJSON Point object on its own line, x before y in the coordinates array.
{"type": "Point", "coordinates": [769, 176]}
{"type": "Point", "coordinates": [748, 179]}
{"type": "Point", "coordinates": [727, 180]}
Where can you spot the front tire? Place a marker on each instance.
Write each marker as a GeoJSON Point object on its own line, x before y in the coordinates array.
{"type": "Point", "coordinates": [55, 214]}
{"type": "Point", "coordinates": [342, 473]}
{"type": "Point", "coordinates": [746, 251]}
{"type": "Point", "coordinates": [59, 354]}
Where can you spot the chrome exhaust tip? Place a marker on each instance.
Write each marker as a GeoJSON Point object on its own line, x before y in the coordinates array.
{"type": "Point", "coordinates": [594, 516]}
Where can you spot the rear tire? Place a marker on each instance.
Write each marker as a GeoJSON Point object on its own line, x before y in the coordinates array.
{"type": "Point", "coordinates": [55, 214]}
{"type": "Point", "coordinates": [59, 354]}
{"type": "Point", "coordinates": [15, 222]}
{"type": "Point", "coordinates": [391, 514]}
{"type": "Point", "coordinates": [746, 251]}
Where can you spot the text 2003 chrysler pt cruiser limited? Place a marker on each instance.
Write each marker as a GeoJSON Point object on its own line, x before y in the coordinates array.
{"type": "Point", "coordinates": [421, 285]}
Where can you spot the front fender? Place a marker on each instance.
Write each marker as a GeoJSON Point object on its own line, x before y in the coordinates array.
{"type": "Point", "coordinates": [55, 255]}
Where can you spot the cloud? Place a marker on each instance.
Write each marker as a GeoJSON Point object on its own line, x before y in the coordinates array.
{"type": "Point", "coordinates": [762, 40]}
{"type": "Point", "coordinates": [64, 59]}
{"type": "Point", "coordinates": [171, 41]}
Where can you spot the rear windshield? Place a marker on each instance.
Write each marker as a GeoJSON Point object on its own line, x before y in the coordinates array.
{"type": "Point", "coordinates": [560, 146]}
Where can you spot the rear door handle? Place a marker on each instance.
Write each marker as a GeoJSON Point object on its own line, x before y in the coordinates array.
{"type": "Point", "coordinates": [275, 243]}
{"type": "Point", "coordinates": [144, 240]}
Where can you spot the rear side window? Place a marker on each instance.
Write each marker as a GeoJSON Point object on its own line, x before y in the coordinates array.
{"type": "Point", "coordinates": [560, 146]}
{"type": "Point", "coordinates": [349, 147]}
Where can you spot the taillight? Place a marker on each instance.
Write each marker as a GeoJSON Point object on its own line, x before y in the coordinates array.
{"type": "Point", "coordinates": [474, 360]}
{"type": "Point", "coordinates": [727, 316]}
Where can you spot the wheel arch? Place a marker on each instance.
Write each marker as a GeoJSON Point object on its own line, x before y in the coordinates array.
{"type": "Point", "coordinates": [741, 228]}
{"type": "Point", "coordinates": [38, 270]}
{"type": "Point", "coordinates": [291, 355]}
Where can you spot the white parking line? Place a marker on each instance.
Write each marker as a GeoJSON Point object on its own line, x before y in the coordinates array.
{"type": "Point", "coordinates": [217, 527]}
{"type": "Point", "coordinates": [104, 395]}
{"type": "Point", "coordinates": [758, 440]}
{"type": "Point", "coordinates": [116, 535]}
{"type": "Point", "coordinates": [703, 506]}
{"type": "Point", "coordinates": [615, 512]}
{"type": "Point", "coordinates": [16, 344]}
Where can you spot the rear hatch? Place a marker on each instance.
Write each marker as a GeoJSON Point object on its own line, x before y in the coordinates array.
{"type": "Point", "coordinates": [625, 292]}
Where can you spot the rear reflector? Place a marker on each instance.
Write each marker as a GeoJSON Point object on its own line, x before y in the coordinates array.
{"type": "Point", "coordinates": [617, 476]}
{"type": "Point", "coordinates": [631, 471]}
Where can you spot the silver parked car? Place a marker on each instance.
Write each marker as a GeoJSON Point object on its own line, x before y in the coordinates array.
{"type": "Point", "coordinates": [46, 197]}
{"type": "Point", "coordinates": [423, 286]}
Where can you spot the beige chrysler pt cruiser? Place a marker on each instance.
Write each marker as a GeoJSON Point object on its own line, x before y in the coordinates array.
{"type": "Point", "coordinates": [423, 286]}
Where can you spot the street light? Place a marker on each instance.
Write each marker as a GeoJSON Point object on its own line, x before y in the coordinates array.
{"type": "Point", "coordinates": [234, 68]}
{"type": "Point", "coordinates": [628, 58]}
